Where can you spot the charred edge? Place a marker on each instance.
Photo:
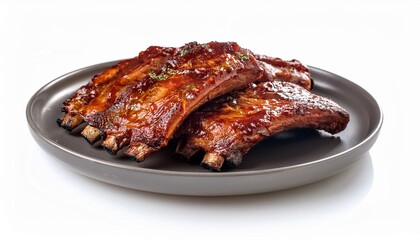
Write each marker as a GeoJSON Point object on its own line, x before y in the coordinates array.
{"type": "Point", "coordinates": [91, 134]}
{"type": "Point", "coordinates": [70, 122]}
{"type": "Point", "coordinates": [139, 151]}
{"type": "Point", "coordinates": [113, 146]}
{"type": "Point", "coordinates": [110, 151]}
{"type": "Point", "coordinates": [59, 121]}
{"type": "Point", "coordinates": [213, 161]}
{"type": "Point", "coordinates": [210, 168]}
{"type": "Point", "coordinates": [68, 127]}
{"type": "Point", "coordinates": [110, 145]}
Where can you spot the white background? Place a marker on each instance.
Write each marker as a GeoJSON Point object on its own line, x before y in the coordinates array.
{"type": "Point", "coordinates": [373, 43]}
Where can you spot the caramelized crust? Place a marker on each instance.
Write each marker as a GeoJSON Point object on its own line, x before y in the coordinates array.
{"type": "Point", "coordinates": [151, 59]}
{"type": "Point", "coordinates": [273, 68]}
{"type": "Point", "coordinates": [141, 102]}
{"type": "Point", "coordinates": [228, 127]}
{"type": "Point", "coordinates": [103, 89]}
{"type": "Point", "coordinates": [86, 93]}
{"type": "Point", "coordinates": [147, 114]}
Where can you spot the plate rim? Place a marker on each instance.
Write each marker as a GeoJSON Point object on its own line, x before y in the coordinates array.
{"type": "Point", "coordinates": [32, 124]}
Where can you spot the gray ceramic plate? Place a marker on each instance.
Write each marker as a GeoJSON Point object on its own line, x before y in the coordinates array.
{"type": "Point", "coordinates": [283, 161]}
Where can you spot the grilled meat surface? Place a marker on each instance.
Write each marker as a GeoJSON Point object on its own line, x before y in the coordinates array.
{"type": "Point", "coordinates": [141, 102]}
{"type": "Point", "coordinates": [86, 93]}
{"type": "Point", "coordinates": [104, 89]}
{"type": "Point", "coordinates": [229, 126]}
{"type": "Point", "coordinates": [148, 113]}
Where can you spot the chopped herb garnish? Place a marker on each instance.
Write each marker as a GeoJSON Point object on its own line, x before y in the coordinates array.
{"type": "Point", "coordinates": [242, 56]}
{"type": "Point", "coordinates": [206, 46]}
{"type": "Point", "coordinates": [183, 52]}
{"type": "Point", "coordinates": [170, 71]}
{"type": "Point", "coordinates": [159, 77]}
{"type": "Point", "coordinates": [153, 75]}
{"type": "Point", "coordinates": [237, 109]}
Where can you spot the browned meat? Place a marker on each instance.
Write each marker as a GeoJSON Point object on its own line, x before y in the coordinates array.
{"type": "Point", "coordinates": [289, 71]}
{"type": "Point", "coordinates": [141, 101]}
{"type": "Point", "coordinates": [273, 68]}
{"type": "Point", "coordinates": [103, 89]}
{"type": "Point", "coordinates": [147, 114]}
{"type": "Point", "coordinates": [227, 128]}
{"type": "Point", "coordinates": [86, 93]}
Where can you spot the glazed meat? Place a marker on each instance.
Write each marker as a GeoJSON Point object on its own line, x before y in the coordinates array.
{"type": "Point", "coordinates": [105, 88]}
{"type": "Point", "coordinates": [273, 68]}
{"type": "Point", "coordinates": [147, 114]}
{"type": "Point", "coordinates": [228, 127]}
{"type": "Point", "coordinates": [141, 102]}
{"type": "Point", "coordinates": [289, 71]}
{"type": "Point", "coordinates": [86, 93]}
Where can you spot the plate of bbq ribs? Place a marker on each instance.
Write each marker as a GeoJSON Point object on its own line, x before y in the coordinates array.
{"type": "Point", "coordinates": [204, 119]}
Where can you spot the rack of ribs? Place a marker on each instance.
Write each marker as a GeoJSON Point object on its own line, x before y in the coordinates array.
{"type": "Point", "coordinates": [229, 127]}
{"type": "Point", "coordinates": [142, 101]}
{"type": "Point", "coordinates": [105, 88]}
{"type": "Point", "coordinates": [147, 114]}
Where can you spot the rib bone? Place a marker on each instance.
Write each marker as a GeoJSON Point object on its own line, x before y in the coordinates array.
{"type": "Point", "coordinates": [228, 128]}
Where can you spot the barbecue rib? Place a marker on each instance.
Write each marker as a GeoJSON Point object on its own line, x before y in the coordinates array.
{"type": "Point", "coordinates": [105, 88]}
{"type": "Point", "coordinates": [229, 126]}
{"type": "Point", "coordinates": [148, 113]}
{"type": "Point", "coordinates": [141, 101]}
{"type": "Point", "coordinates": [86, 93]}
{"type": "Point", "coordinates": [274, 68]}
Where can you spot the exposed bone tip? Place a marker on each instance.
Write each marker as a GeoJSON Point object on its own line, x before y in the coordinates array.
{"type": "Point", "coordinates": [213, 161]}
{"type": "Point", "coordinates": [91, 134]}
{"type": "Point", "coordinates": [115, 141]}
{"type": "Point", "coordinates": [139, 151]}
{"type": "Point", "coordinates": [70, 121]}
{"type": "Point", "coordinates": [110, 145]}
